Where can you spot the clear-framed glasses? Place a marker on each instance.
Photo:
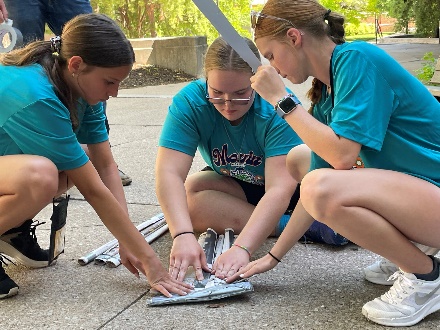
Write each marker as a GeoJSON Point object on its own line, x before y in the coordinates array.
{"type": "Point", "coordinates": [256, 15]}
{"type": "Point", "coordinates": [221, 100]}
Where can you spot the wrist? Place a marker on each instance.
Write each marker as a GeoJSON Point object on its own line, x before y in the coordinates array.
{"type": "Point", "coordinates": [243, 248]}
{"type": "Point", "coordinates": [278, 260]}
{"type": "Point", "coordinates": [182, 233]}
{"type": "Point", "coordinates": [286, 105]}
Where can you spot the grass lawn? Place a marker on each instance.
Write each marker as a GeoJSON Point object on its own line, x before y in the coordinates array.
{"type": "Point", "coordinates": [365, 37]}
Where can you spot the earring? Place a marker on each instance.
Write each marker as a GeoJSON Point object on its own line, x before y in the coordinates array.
{"type": "Point", "coordinates": [73, 74]}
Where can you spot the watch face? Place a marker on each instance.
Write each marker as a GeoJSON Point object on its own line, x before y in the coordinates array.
{"type": "Point", "coordinates": [287, 105]}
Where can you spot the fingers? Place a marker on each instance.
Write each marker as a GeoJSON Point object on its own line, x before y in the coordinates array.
{"type": "Point", "coordinates": [3, 13]}
{"type": "Point", "coordinates": [131, 268]}
{"type": "Point", "coordinates": [178, 270]}
{"type": "Point", "coordinates": [256, 267]}
{"type": "Point", "coordinates": [234, 277]}
{"type": "Point", "coordinates": [226, 270]}
{"type": "Point", "coordinates": [169, 285]}
{"type": "Point", "coordinates": [199, 272]}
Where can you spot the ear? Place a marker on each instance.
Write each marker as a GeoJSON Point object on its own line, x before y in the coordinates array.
{"type": "Point", "coordinates": [75, 64]}
{"type": "Point", "coordinates": [294, 36]}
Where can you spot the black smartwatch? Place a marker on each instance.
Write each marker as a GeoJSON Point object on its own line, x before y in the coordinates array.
{"type": "Point", "coordinates": [286, 105]}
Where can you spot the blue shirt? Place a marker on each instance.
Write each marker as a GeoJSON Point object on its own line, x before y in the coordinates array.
{"type": "Point", "coordinates": [192, 122]}
{"type": "Point", "coordinates": [380, 105]}
{"type": "Point", "coordinates": [34, 121]}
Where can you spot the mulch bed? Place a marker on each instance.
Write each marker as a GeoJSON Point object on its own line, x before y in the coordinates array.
{"type": "Point", "coordinates": [151, 75]}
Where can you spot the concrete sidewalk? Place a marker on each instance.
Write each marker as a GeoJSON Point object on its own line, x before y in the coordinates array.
{"type": "Point", "coordinates": [315, 287]}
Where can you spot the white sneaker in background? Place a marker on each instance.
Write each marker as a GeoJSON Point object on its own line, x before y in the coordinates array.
{"type": "Point", "coordinates": [407, 302]}
{"type": "Point", "coordinates": [380, 271]}
{"type": "Point", "coordinates": [430, 251]}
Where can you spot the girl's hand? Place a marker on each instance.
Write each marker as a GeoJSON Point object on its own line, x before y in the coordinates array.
{"type": "Point", "coordinates": [186, 251]}
{"type": "Point", "coordinates": [268, 83]}
{"type": "Point", "coordinates": [255, 267]}
{"type": "Point", "coordinates": [160, 280]}
{"type": "Point", "coordinates": [156, 274]}
{"type": "Point", "coordinates": [129, 260]}
{"type": "Point", "coordinates": [230, 262]}
{"type": "Point", "coordinates": [3, 12]}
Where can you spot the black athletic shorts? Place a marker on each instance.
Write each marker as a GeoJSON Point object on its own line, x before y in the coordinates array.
{"type": "Point", "coordinates": [255, 192]}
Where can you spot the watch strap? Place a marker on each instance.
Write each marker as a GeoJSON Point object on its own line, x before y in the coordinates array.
{"type": "Point", "coordinates": [280, 112]}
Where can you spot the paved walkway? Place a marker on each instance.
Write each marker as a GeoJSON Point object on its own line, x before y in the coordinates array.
{"type": "Point", "coordinates": [315, 287]}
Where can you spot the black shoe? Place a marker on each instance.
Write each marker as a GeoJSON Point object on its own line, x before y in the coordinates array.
{"type": "Point", "coordinates": [21, 244]}
{"type": "Point", "coordinates": [126, 180]}
{"type": "Point", "coordinates": [8, 287]}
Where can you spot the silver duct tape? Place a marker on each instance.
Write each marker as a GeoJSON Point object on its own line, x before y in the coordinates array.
{"type": "Point", "coordinates": [211, 287]}
{"type": "Point", "coordinates": [9, 37]}
{"type": "Point", "coordinates": [206, 294]}
{"type": "Point", "coordinates": [156, 220]}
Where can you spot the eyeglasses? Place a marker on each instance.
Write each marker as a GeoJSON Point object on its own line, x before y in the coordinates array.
{"type": "Point", "coordinates": [220, 100]}
{"type": "Point", "coordinates": [256, 15]}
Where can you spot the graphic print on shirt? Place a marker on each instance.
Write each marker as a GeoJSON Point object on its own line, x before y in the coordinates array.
{"type": "Point", "coordinates": [241, 166]}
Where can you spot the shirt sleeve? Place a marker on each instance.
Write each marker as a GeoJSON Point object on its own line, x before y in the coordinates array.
{"type": "Point", "coordinates": [180, 131]}
{"type": "Point", "coordinates": [44, 128]}
{"type": "Point", "coordinates": [363, 101]}
{"type": "Point", "coordinates": [92, 125]}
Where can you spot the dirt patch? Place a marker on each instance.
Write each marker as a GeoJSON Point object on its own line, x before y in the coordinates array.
{"type": "Point", "coordinates": [151, 75]}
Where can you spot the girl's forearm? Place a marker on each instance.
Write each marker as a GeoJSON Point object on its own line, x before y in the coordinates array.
{"type": "Point", "coordinates": [263, 220]}
{"type": "Point", "coordinates": [298, 224]}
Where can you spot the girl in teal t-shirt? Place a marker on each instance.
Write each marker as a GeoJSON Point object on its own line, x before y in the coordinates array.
{"type": "Point", "coordinates": [51, 121]}
{"type": "Point", "coordinates": [245, 185]}
{"type": "Point", "coordinates": [364, 104]}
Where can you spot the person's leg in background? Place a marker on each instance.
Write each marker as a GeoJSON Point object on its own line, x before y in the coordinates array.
{"type": "Point", "coordinates": [28, 17]}
{"type": "Point", "coordinates": [58, 12]}
{"type": "Point", "coordinates": [125, 179]}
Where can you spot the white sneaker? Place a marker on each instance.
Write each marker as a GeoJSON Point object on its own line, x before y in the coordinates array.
{"type": "Point", "coordinates": [407, 302]}
{"type": "Point", "coordinates": [381, 271]}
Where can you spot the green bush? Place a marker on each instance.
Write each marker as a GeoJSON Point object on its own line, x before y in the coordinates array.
{"type": "Point", "coordinates": [425, 73]}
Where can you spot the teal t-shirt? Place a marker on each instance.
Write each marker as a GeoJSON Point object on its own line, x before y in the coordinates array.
{"type": "Point", "coordinates": [192, 122]}
{"type": "Point", "coordinates": [34, 121]}
{"type": "Point", "coordinates": [380, 105]}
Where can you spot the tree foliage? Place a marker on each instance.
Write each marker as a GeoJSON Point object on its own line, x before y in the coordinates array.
{"type": "Point", "coordinates": [353, 10]}
{"type": "Point", "coordinates": [427, 17]}
{"type": "Point", "coordinates": [163, 18]}
{"type": "Point", "coordinates": [160, 18]}
{"type": "Point", "coordinates": [425, 14]}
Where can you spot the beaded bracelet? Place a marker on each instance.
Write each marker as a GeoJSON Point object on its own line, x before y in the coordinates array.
{"type": "Point", "coordinates": [185, 232]}
{"type": "Point", "coordinates": [279, 260]}
{"type": "Point", "coordinates": [243, 247]}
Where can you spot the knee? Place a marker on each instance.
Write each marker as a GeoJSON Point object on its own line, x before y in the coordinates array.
{"type": "Point", "coordinates": [298, 161]}
{"type": "Point", "coordinates": [194, 184]}
{"type": "Point", "coordinates": [190, 185]}
{"type": "Point", "coordinates": [39, 179]}
{"type": "Point", "coordinates": [317, 195]}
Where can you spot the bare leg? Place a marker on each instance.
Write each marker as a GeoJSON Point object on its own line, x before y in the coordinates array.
{"type": "Point", "coordinates": [382, 211]}
{"type": "Point", "coordinates": [28, 184]}
{"type": "Point", "coordinates": [216, 201]}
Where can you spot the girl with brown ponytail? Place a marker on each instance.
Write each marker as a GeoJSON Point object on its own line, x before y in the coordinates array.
{"type": "Point", "coordinates": [53, 136]}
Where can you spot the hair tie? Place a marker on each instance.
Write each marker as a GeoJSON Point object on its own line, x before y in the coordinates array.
{"type": "Point", "coordinates": [327, 14]}
{"type": "Point", "coordinates": [55, 44]}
